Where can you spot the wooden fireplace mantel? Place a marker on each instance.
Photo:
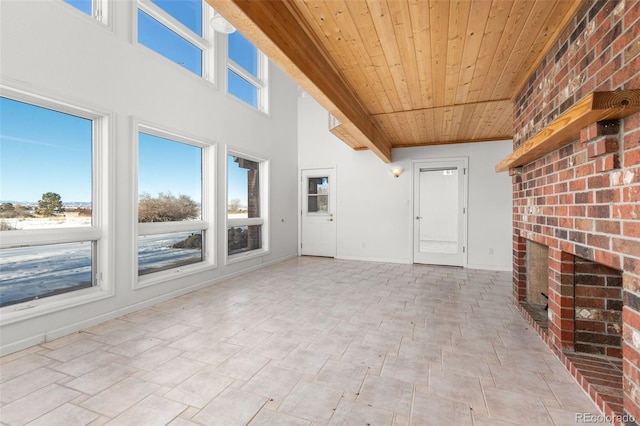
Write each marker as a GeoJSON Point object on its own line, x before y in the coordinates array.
{"type": "Point", "coordinates": [596, 106]}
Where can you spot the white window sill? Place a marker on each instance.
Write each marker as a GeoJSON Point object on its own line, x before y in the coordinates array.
{"type": "Point", "coordinates": [172, 274]}
{"type": "Point", "coordinates": [27, 310]}
{"type": "Point", "coordinates": [235, 258]}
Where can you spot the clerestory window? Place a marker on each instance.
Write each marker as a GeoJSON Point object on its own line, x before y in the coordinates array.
{"type": "Point", "coordinates": [97, 9]}
{"type": "Point", "coordinates": [176, 30]}
{"type": "Point", "coordinates": [247, 72]}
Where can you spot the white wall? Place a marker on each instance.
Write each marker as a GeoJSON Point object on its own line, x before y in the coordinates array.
{"type": "Point", "coordinates": [374, 210]}
{"type": "Point", "coordinates": [51, 48]}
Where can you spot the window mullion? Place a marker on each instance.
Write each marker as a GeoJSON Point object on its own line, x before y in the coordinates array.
{"type": "Point", "coordinates": [30, 237]}
{"type": "Point", "coordinates": [233, 66]}
{"type": "Point", "coordinates": [154, 228]}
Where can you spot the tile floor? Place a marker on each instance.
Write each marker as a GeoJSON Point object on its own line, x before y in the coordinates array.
{"type": "Point", "coordinates": [309, 341]}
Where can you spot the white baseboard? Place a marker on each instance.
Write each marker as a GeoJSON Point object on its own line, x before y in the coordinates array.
{"type": "Point", "coordinates": [374, 259]}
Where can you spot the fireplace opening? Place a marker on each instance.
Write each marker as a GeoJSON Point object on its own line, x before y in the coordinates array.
{"type": "Point", "coordinates": [537, 274]}
{"type": "Point", "coordinates": [598, 309]}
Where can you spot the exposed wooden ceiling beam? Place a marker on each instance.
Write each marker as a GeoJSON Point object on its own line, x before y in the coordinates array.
{"type": "Point", "coordinates": [274, 29]}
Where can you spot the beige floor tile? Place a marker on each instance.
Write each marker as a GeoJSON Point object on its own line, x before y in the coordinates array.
{"type": "Point", "coordinates": [521, 380]}
{"type": "Point", "coordinates": [410, 370]}
{"type": "Point", "coordinates": [83, 364]}
{"type": "Point", "coordinates": [173, 332]}
{"type": "Point", "coordinates": [153, 410]}
{"type": "Point", "coordinates": [456, 387]}
{"type": "Point", "coordinates": [419, 351]}
{"type": "Point", "coordinates": [330, 344]}
{"type": "Point", "coordinates": [231, 407]}
{"type": "Point", "coordinates": [65, 340]}
{"type": "Point", "coordinates": [311, 401]}
{"type": "Point", "coordinates": [387, 394]}
{"type": "Point", "coordinates": [120, 397]}
{"type": "Point", "coordinates": [74, 350]}
{"type": "Point", "coordinates": [36, 404]}
{"type": "Point", "coordinates": [101, 378]}
{"type": "Point", "coordinates": [467, 365]}
{"type": "Point", "coordinates": [12, 368]}
{"type": "Point", "coordinates": [152, 358]}
{"type": "Point", "coordinates": [342, 376]}
{"type": "Point", "coordinates": [351, 413]}
{"type": "Point", "coordinates": [515, 407]}
{"type": "Point", "coordinates": [200, 388]}
{"type": "Point", "coordinates": [273, 382]}
{"type": "Point", "coordinates": [242, 365]}
{"type": "Point", "coordinates": [266, 417]}
{"type": "Point", "coordinates": [307, 341]}
{"type": "Point", "coordinates": [66, 415]}
{"type": "Point", "coordinates": [28, 382]}
{"type": "Point", "coordinates": [431, 410]}
{"type": "Point", "coordinates": [136, 346]}
{"type": "Point", "coordinates": [248, 338]}
{"type": "Point", "coordinates": [174, 371]}
{"type": "Point", "coordinates": [304, 361]}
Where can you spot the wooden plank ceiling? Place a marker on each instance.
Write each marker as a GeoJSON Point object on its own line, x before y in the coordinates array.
{"type": "Point", "coordinates": [402, 73]}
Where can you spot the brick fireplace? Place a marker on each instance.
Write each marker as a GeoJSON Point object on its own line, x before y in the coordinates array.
{"type": "Point", "coordinates": [580, 206]}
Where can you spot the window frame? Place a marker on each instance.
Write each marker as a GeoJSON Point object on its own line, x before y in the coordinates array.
{"type": "Point", "coordinates": [102, 207]}
{"type": "Point", "coordinates": [100, 11]}
{"type": "Point", "coordinates": [206, 43]}
{"type": "Point", "coordinates": [261, 83]}
{"type": "Point", "coordinates": [263, 220]}
{"type": "Point", "coordinates": [206, 224]}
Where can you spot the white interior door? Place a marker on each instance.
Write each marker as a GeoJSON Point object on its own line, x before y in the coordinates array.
{"type": "Point", "coordinates": [440, 212]}
{"type": "Point", "coordinates": [318, 221]}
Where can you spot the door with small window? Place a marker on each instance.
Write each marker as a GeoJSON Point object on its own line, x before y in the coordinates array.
{"type": "Point", "coordinates": [318, 222]}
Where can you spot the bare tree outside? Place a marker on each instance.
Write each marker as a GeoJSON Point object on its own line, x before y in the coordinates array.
{"type": "Point", "coordinates": [166, 208]}
{"type": "Point", "coordinates": [234, 205]}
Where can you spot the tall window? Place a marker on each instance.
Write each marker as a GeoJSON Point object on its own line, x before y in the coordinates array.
{"type": "Point", "coordinates": [175, 30]}
{"type": "Point", "coordinates": [173, 226]}
{"type": "Point", "coordinates": [50, 230]}
{"type": "Point", "coordinates": [246, 72]}
{"type": "Point", "coordinates": [246, 206]}
{"type": "Point", "coordinates": [94, 8]}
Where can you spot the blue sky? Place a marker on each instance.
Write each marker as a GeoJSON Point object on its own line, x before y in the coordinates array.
{"type": "Point", "coordinates": [43, 151]}
{"type": "Point", "coordinates": [46, 151]}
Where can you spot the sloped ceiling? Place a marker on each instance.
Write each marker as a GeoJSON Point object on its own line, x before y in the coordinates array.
{"type": "Point", "coordinates": [402, 73]}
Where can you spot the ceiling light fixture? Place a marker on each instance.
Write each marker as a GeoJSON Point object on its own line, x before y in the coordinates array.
{"type": "Point", "coordinates": [221, 25]}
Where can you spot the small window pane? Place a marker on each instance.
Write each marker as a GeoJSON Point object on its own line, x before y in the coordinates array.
{"type": "Point", "coordinates": [244, 238]}
{"type": "Point", "coordinates": [28, 273]}
{"type": "Point", "coordinates": [169, 180]}
{"type": "Point", "coordinates": [244, 188]}
{"type": "Point", "coordinates": [167, 251]}
{"type": "Point", "coordinates": [188, 12]}
{"type": "Point", "coordinates": [158, 37]}
{"type": "Point", "coordinates": [45, 167]}
{"type": "Point", "coordinates": [243, 53]}
{"type": "Point", "coordinates": [242, 89]}
{"type": "Point", "coordinates": [83, 5]}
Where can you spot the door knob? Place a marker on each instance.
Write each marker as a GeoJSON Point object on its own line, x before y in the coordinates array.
{"type": "Point", "coordinates": [330, 220]}
{"type": "Point", "coordinates": [418, 217]}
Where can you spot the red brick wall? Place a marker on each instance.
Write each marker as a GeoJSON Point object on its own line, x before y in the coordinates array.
{"type": "Point", "coordinates": [584, 199]}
